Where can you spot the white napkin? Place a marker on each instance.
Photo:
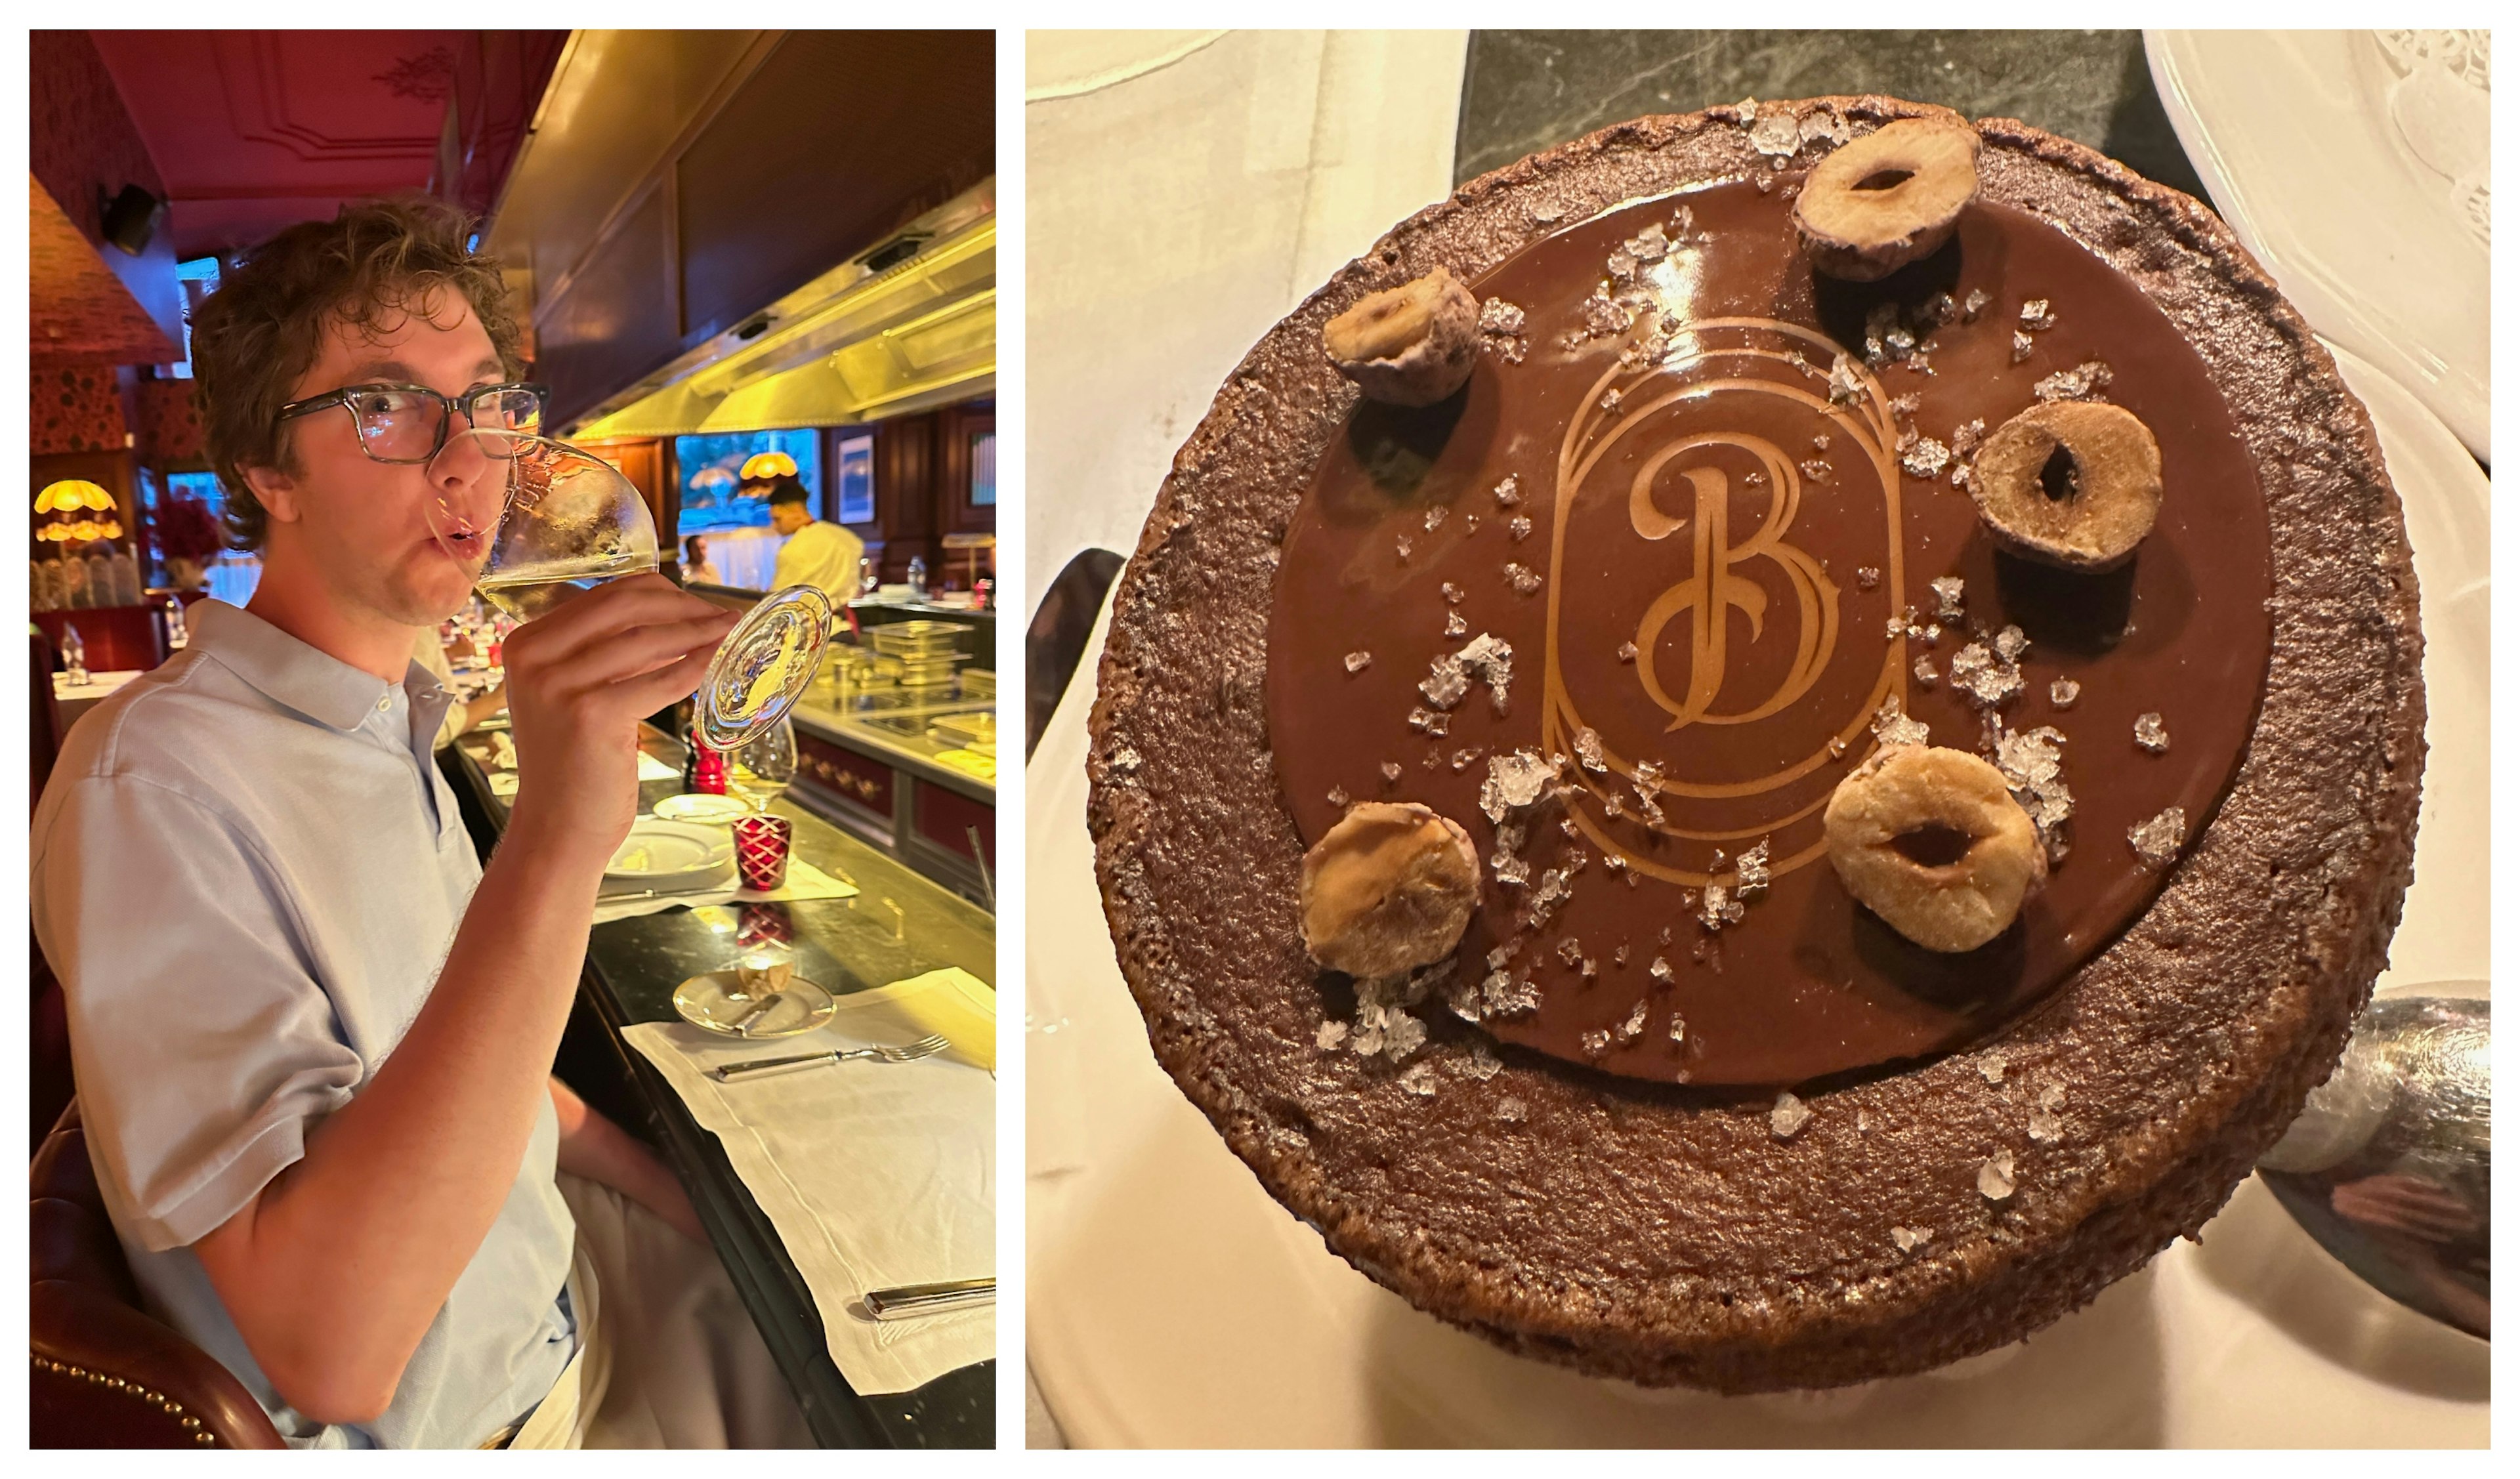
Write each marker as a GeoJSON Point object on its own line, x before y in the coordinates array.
{"type": "Point", "coordinates": [804, 881]}
{"type": "Point", "coordinates": [875, 1175]}
{"type": "Point", "coordinates": [502, 783]}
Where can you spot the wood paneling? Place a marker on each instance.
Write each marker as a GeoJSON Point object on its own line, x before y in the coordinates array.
{"type": "Point", "coordinates": [840, 138]}
{"type": "Point", "coordinates": [905, 495]}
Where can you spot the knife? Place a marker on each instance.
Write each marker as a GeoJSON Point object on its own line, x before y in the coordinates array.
{"type": "Point", "coordinates": [912, 1300]}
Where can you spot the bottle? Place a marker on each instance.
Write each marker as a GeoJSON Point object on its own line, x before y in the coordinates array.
{"type": "Point", "coordinates": [985, 591]}
{"type": "Point", "coordinates": [178, 637]}
{"type": "Point", "coordinates": [867, 579]}
{"type": "Point", "coordinates": [918, 578]}
{"type": "Point", "coordinates": [74, 657]}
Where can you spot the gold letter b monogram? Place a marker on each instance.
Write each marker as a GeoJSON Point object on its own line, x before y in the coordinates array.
{"type": "Point", "coordinates": [1711, 589]}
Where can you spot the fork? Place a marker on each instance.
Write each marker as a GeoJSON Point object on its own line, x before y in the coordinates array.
{"type": "Point", "coordinates": [907, 1053]}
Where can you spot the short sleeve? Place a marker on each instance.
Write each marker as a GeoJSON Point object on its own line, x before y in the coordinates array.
{"type": "Point", "coordinates": [202, 1044]}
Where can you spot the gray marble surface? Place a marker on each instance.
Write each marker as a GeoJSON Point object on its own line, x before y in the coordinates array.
{"type": "Point", "coordinates": [1525, 91]}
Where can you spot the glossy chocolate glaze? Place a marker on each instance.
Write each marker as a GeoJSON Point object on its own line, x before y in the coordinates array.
{"type": "Point", "coordinates": [1828, 540]}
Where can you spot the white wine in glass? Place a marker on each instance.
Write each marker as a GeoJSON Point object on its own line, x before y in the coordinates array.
{"type": "Point", "coordinates": [540, 522]}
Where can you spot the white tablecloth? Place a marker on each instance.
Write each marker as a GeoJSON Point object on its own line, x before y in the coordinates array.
{"type": "Point", "coordinates": [875, 1175]}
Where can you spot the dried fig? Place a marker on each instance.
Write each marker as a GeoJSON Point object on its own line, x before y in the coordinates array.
{"type": "Point", "coordinates": [1888, 198]}
{"type": "Point", "coordinates": [1932, 842]}
{"type": "Point", "coordinates": [2071, 483]}
{"type": "Point", "coordinates": [1388, 890]}
{"type": "Point", "coordinates": [1409, 345]}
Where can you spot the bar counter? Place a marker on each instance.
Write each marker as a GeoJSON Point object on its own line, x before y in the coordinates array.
{"type": "Point", "coordinates": [900, 924]}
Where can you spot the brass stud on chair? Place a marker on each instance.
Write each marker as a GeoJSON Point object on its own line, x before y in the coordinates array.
{"type": "Point", "coordinates": [206, 1440]}
{"type": "Point", "coordinates": [191, 1423]}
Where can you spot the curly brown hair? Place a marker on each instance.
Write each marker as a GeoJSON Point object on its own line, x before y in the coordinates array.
{"type": "Point", "coordinates": [374, 262]}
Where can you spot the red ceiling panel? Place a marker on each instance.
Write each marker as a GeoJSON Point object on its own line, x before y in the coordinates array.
{"type": "Point", "coordinates": [255, 130]}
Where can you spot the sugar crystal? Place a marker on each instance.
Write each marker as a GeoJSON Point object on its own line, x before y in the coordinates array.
{"type": "Point", "coordinates": [2151, 734]}
{"type": "Point", "coordinates": [2035, 314]}
{"type": "Point", "coordinates": [1634, 1027]}
{"type": "Point", "coordinates": [1330, 1035]}
{"type": "Point", "coordinates": [1844, 384]}
{"type": "Point", "coordinates": [1948, 590]}
{"type": "Point", "coordinates": [1338, 796]}
{"type": "Point", "coordinates": [1992, 1064]}
{"type": "Point", "coordinates": [1627, 652]}
{"type": "Point", "coordinates": [2081, 383]}
{"type": "Point", "coordinates": [1995, 1176]}
{"type": "Point", "coordinates": [1660, 970]}
{"type": "Point", "coordinates": [2044, 1126]}
{"type": "Point", "coordinates": [1523, 581]}
{"type": "Point", "coordinates": [2157, 842]}
{"type": "Point", "coordinates": [1587, 750]}
{"type": "Point", "coordinates": [1434, 518]}
{"type": "Point", "coordinates": [1867, 577]}
{"type": "Point", "coordinates": [2063, 691]}
{"type": "Point", "coordinates": [1750, 873]}
{"type": "Point", "coordinates": [1453, 593]}
{"type": "Point", "coordinates": [1356, 661]}
{"type": "Point", "coordinates": [1777, 135]}
{"type": "Point", "coordinates": [1924, 670]}
{"type": "Point", "coordinates": [1509, 492]}
{"type": "Point", "coordinates": [1510, 1111]}
{"type": "Point", "coordinates": [1595, 1043]}
{"type": "Point", "coordinates": [1910, 1239]}
{"type": "Point", "coordinates": [1892, 728]}
{"type": "Point", "coordinates": [1519, 527]}
{"type": "Point", "coordinates": [1453, 625]}
{"type": "Point", "coordinates": [1391, 769]}
{"type": "Point", "coordinates": [2021, 346]}
{"type": "Point", "coordinates": [1420, 1080]}
{"type": "Point", "coordinates": [1789, 1115]}
{"type": "Point", "coordinates": [1514, 780]}
{"type": "Point", "coordinates": [1973, 305]}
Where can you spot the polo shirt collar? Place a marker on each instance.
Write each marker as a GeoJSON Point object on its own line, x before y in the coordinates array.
{"type": "Point", "coordinates": [286, 670]}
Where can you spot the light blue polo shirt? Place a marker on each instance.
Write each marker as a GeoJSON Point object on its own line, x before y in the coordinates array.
{"type": "Point", "coordinates": [247, 873]}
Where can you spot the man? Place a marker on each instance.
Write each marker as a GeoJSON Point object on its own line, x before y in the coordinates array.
{"type": "Point", "coordinates": [312, 1035]}
{"type": "Point", "coordinates": [817, 553]}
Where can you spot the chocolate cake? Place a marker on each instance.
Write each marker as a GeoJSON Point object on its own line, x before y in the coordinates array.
{"type": "Point", "coordinates": [1693, 549]}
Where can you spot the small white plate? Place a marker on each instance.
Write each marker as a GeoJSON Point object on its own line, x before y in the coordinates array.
{"type": "Point", "coordinates": [662, 853]}
{"type": "Point", "coordinates": [703, 808]}
{"type": "Point", "coordinates": [2352, 165]}
{"type": "Point", "coordinates": [716, 1003]}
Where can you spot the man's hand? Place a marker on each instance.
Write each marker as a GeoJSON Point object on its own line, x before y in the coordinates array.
{"type": "Point", "coordinates": [579, 679]}
{"type": "Point", "coordinates": [595, 1148]}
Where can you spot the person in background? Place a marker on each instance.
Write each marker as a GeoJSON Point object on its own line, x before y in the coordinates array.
{"type": "Point", "coordinates": [462, 715]}
{"type": "Point", "coordinates": [695, 562]}
{"type": "Point", "coordinates": [818, 553]}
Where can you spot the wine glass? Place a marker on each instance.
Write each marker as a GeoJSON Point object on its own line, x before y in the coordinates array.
{"type": "Point", "coordinates": [766, 767]}
{"type": "Point", "coordinates": [538, 521]}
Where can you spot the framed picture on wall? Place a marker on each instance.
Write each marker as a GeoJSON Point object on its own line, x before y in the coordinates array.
{"type": "Point", "coordinates": [854, 489]}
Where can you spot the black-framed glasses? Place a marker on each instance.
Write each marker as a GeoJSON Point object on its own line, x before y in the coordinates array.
{"type": "Point", "coordinates": [407, 424]}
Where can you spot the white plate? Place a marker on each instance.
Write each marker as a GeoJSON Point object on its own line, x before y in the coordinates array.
{"type": "Point", "coordinates": [2353, 166]}
{"type": "Point", "coordinates": [703, 808]}
{"type": "Point", "coordinates": [661, 853]}
{"type": "Point", "coordinates": [1172, 1302]}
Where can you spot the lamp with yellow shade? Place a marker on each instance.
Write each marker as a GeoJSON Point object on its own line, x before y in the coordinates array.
{"type": "Point", "coordinates": [761, 467]}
